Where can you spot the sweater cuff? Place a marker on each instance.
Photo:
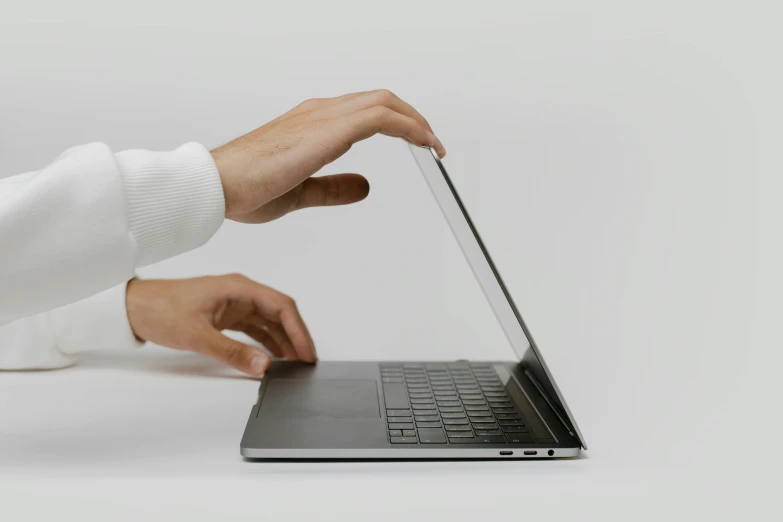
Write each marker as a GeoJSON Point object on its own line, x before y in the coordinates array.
{"type": "Point", "coordinates": [99, 322]}
{"type": "Point", "coordinates": [175, 200]}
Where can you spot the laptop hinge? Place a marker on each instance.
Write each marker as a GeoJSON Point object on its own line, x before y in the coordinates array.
{"type": "Point", "coordinates": [551, 403]}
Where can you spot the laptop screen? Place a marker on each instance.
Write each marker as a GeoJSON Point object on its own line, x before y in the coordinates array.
{"type": "Point", "coordinates": [490, 281]}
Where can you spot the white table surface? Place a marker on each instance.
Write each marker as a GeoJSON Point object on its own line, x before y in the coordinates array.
{"type": "Point", "coordinates": [156, 433]}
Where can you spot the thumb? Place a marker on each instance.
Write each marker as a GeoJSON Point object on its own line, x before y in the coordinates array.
{"type": "Point", "coordinates": [234, 353]}
{"type": "Point", "coordinates": [338, 189]}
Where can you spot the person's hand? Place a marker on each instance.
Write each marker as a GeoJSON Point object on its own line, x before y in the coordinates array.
{"type": "Point", "coordinates": [189, 314]}
{"type": "Point", "coordinates": [266, 173]}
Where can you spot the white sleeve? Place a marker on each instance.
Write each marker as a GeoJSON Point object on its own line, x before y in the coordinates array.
{"type": "Point", "coordinates": [80, 227]}
{"type": "Point", "coordinates": [52, 339]}
{"type": "Point", "coordinates": [85, 222]}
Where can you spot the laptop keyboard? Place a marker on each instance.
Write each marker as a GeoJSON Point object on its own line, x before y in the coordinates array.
{"type": "Point", "coordinates": [454, 403]}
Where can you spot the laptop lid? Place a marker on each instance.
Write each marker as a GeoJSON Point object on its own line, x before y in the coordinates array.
{"type": "Point", "coordinates": [491, 283]}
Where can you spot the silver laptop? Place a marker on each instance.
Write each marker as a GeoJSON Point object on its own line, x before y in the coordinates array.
{"type": "Point", "coordinates": [420, 410]}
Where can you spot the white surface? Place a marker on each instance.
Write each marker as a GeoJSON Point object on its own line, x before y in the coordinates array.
{"type": "Point", "coordinates": [622, 162]}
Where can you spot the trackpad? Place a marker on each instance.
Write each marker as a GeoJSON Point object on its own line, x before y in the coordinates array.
{"type": "Point", "coordinates": [337, 398]}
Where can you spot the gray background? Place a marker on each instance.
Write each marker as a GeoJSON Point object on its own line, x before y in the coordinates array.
{"type": "Point", "coordinates": [621, 159]}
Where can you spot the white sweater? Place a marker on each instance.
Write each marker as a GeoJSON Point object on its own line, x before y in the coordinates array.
{"type": "Point", "coordinates": [73, 233]}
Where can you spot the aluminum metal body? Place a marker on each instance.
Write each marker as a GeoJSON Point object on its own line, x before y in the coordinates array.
{"type": "Point", "coordinates": [334, 410]}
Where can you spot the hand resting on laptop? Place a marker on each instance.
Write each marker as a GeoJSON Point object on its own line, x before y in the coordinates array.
{"type": "Point", "coordinates": [189, 314]}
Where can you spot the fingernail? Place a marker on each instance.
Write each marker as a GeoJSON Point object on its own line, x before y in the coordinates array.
{"type": "Point", "coordinates": [258, 365]}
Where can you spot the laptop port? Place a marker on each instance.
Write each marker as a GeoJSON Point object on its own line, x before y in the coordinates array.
{"type": "Point", "coordinates": [506, 453]}
{"type": "Point", "coordinates": [530, 452]}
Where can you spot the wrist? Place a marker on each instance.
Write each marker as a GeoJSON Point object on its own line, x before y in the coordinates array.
{"type": "Point", "coordinates": [133, 307]}
{"type": "Point", "coordinates": [175, 200]}
{"type": "Point", "coordinates": [230, 199]}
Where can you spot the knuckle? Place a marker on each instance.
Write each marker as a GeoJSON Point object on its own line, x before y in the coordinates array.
{"type": "Point", "coordinates": [380, 113]}
{"type": "Point", "coordinates": [384, 95]}
{"type": "Point", "coordinates": [236, 277]}
{"type": "Point", "coordinates": [309, 104]}
{"type": "Point", "coordinates": [236, 354]}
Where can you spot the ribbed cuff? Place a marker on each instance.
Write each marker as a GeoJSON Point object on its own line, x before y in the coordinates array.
{"type": "Point", "coordinates": [175, 200]}
{"type": "Point", "coordinates": [99, 322]}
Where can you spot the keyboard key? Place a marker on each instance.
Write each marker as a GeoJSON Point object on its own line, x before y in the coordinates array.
{"type": "Point", "coordinates": [431, 436]}
{"type": "Point", "coordinates": [492, 388]}
{"type": "Point", "coordinates": [460, 434]}
{"type": "Point", "coordinates": [399, 419]}
{"type": "Point", "coordinates": [486, 439]}
{"type": "Point", "coordinates": [471, 407]}
{"type": "Point", "coordinates": [453, 415]}
{"type": "Point", "coordinates": [395, 433]}
{"type": "Point", "coordinates": [408, 433]}
{"type": "Point", "coordinates": [428, 406]}
{"type": "Point", "coordinates": [395, 396]}
{"type": "Point", "coordinates": [422, 401]}
{"type": "Point", "coordinates": [479, 414]}
{"type": "Point", "coordinates": [428, 424]}
{"type": "Point", "coordinates": [515, 429]}
{"type": "Point", "coordinates": [510, 422]}
{"type": "Point", "coordinates": [520, 438]}
{"type": "Point", "coordinates": [493, 439]}
{"type": "Point", "coordinates": [398, 413]}
{"type": "Point", "coordinates": [417, 386]}
{"type": "Point", "coordinates": [453, 409]}
{"type": "Point", "coordinates": [400, 425]}
{"type": "Point", "coordinates": [470, 396]}
{"type": "Point", "coordinates": [454, 421]}
{"type": "Point", "coordinates": [474, 402]}
{"type": "Point", "coordinates": [504, 410]}
{"type": "Point", "coordinates": [426, 395]}
{"type": "Point", "coordinates": [449, 403]}
{"type": "Point", "coordinates": [507, 416]}
{"type": "Point", "coordinates": [442, 387]}
{"type": "Point", "coordinates": [403, 440]}
{"type": "Point", "coordinates": [457, 428]}
{"type": "Point", "coordinates": [480, 433]}
{"type": "Point", "coordinates": [484, 424]}
{"type": "Point", "coordinates": [500, 404]}
{"type": "Point", "coordinates": [425, 412]}
{"type": "Point", "coordinates": [391, 379]}
{"type": "Point", "coordinates": [495, 394]}
{"type": "Point", "coordinates": [427, 418]}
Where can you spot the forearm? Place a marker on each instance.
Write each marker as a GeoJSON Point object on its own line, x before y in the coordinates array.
{"type": "Point", "coordinates": [53, 339]}
{"type": "Point", "coordinates": [86, 221]}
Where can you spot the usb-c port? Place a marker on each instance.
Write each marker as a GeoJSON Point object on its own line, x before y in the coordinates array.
{"type": "Point", "coordinates": [506, 452]}
{"type": "Point", "coordinates": [531, 453]}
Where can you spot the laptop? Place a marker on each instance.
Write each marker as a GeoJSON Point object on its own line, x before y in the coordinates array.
{"type": "Point", "coordinates": [420, 410]}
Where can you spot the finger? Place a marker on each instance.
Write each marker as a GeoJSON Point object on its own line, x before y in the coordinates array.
{"type": "Point", "coordinates": [279, 308]}
{"type": "Point", "coordinates": [366, 100]}
{"type": "Point", "coordinates": [236, 354]}
{"type": "Point", "coordinates": [295, 327]}
{"type": "Point", "coordinates": [315, 104]}
{"type": "Point", "coordinates": [278, 335]}
{"type": "Point", "coordinates": [263, 337]}
{"type": "Point", "coordinates": [327, 191]}
{"type": "Point", "coordinates": [366, 123]}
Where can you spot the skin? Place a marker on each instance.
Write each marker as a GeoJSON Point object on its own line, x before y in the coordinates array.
{"type": "Point", "coordinates": [266, 174]}
{"type": "Point", "coordinates": [189, 314]}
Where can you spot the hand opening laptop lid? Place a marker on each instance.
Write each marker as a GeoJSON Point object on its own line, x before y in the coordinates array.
{"type": "Point", "coordinates": [410, 410]}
